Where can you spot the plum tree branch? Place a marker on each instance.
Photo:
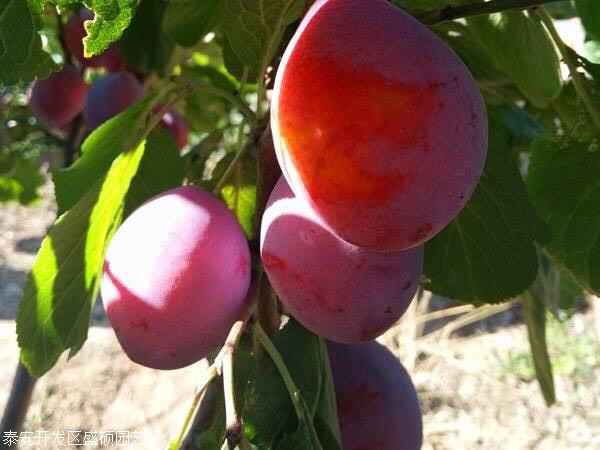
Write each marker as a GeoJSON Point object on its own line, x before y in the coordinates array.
{"type": "Point", "coordinates": [476, 9]}
{"type": "Point", "coordinates": [567, 55]}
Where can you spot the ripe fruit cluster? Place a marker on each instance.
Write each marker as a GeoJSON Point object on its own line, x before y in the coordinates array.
{"type": "Point", "coordinates": [381, 134]}
{"type": "Point", "coordinates": [60, 98]}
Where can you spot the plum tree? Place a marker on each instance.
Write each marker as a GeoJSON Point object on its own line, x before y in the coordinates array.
{"type": "Point", "coordinates": [176, 277]}
{"type": "Point", "coordinates": [175, 124]}
{"type": "Point", "coordinates": [377, 123]}
{"type": "Point", "coordinates": [377, 404]}
{"type": "Point", "coordinates": [109, 96]}
{"type": "Point", "coordinates": [58, 99]}
{"type": "Point", "coordinates": [73, 34]}
{"type": "Point", "coordinates": [335, 289]}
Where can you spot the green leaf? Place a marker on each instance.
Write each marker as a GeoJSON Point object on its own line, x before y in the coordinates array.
{"type": "Point", "coordinates": [98, 151]}
{"type": "Point", "coordinates": [487, 253]}
{"type": "Point", "coordinates": [144, 45]}
{"type": "Point", "coordinates": [205, 111]}
{"type": "Point", "coordinates": [521, 46]}
{"type": "Point", "coordinates": [186, 21]}
{"type": "Point", "coordinates": [299, 440]}
{"type": "Point", "coordinates": [161, 169]}
{"type": "Point", "coordinates": [268, 414]}
{"type": "Point", "coordinates": [565, 187]}
{"type": "Point", "coordinates": [10, 189]}
{"type": "Point", "coordinates": [592, 51]}
{"type": "Point", "coordinates": [239, 193]}
{"type": "Point", "coordinates": [55, 309]}
{"type": "Point", "coordinates": [254, 28]}
{"type": "Point", "coordinates": [556, 290]}
{"type": "Point", "coordinates": [22, 182]}
{"type": "Point", "coordinates": [22, 58]}
{"type": "Point", "coordinates": [535, 319]}
{"type": "Point", "coordinates": [112, 17]}
{"type": "Point", "coordinates": [589, 11]}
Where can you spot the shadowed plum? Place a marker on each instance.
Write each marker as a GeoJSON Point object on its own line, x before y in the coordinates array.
{"type": "Point", "coordinates": [378, 407]}
{"type": "Point", "coordinates": [109, 96]}
{"type": "Point", "coordinates": [58, 99]}
{"type": "Point", "coordinates": [176, 277]}
{"type": "Point", "coordinates": [377, 123]}
{"type": "Point", "coordinates": [176, 126]}
{"type": "Point", "coordinates": [335, 289]}
{"type": "Point", "coordinates": [73, 34]}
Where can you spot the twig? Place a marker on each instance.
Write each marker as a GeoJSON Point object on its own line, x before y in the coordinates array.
{"type": "Point", "coordinates": [73, 140]}
{"type": "Point", "coordinates": [444, 313]}
{"type": "Point", "coordinates": [61, 38]}
{"type": "Point", "coordinates": [475, 316]}
{"type": "Point", "coordinates": [18, 401]}
{"type": "Point", "coordinates": [223, 93]}
{"type": "Point", "coordinates": [268, 314]}
{"type": "Point", "coordinates": [224, 364]}
{"type": "Point", "coordinates": [578, 79]}
{"type": "Point", "coordinates": [477, 9]}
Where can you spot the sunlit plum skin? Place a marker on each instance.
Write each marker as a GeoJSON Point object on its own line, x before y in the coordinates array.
{"type": "Point", "coordinates": [58, 99]}
{"type": "Point", "coordinates": [377, 123]}
{"type": "Point", "coordinates": [176, 126]}
{"type": "Point", "coordinates": [378, 407]}
{"type": "Point", "coordinates": [176, 277]}
{"type": "Point", "coordinates": [73, 34]}
{"type": "Point", "coordinates": [335, 289]}
{"type": "Point", "coordinates": [109, 96]}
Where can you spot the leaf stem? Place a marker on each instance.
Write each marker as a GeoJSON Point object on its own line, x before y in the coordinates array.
{"type": "Point", "coordinates": [281, 368]}
{"type": "Point", "coordinates": [476, 9]}
{"type": "Point", "coordinates": [567, 55]}
{"type": "Point", "coordinates": [300, 406]}
{"type": "Point", "coordinates": [223, 93]}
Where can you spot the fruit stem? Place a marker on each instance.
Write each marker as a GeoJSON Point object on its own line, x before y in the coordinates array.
{"type": "Point", "coordinates": [211, 374]}
{"type": "Point", "coordinates": [476, 9]}
{"type": "Point", "coordinates": [223, 93]}
{"type": "Point", "coordinates": [569, 60]}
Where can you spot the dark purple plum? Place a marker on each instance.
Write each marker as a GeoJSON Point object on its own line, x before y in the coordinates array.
{"type": "Point", "coordinates": [58, 99]}
{"type": "Point", "coordinates": [378, 407]}
{"type": "Point", "coordinates": [175, 124]}
{"type": "Point", "coordinates": [109, 96]}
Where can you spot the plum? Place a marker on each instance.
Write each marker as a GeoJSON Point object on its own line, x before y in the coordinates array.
{"type": "Point", "coordinates": [110, 95]}
{"type": "Point", "coordinates": [378, 407]}
{"type": "Point", "coordinates": [73, 34]}
{"type": "Point", "coordinates": [175, 124]}
{"type": "Point", "coordinates": [377, 123]}
{"type": "Point", "coordinates": [58, 99]}
{"type": "Point", "coordinates": [176, 277]}
{"type": "Point", "coordinates": [335, 289]}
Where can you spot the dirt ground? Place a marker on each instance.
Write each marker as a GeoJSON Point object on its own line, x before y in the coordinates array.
{"type": "Point", "coordinates": [477, 389]}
